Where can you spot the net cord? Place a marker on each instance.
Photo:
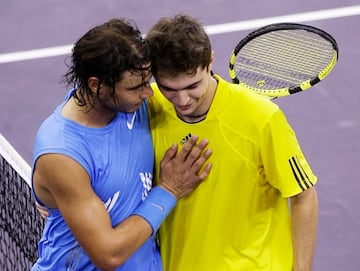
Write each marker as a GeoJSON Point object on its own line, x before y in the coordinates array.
{"type": "Point", "coordinates": [15, 160]}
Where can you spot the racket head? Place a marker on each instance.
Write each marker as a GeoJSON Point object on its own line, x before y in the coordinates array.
{"type": "Point", "coordinates": [282, 59]}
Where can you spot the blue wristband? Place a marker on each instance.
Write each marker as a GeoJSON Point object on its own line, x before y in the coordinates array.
{"type": "Point", "coordinates": [156, 207]}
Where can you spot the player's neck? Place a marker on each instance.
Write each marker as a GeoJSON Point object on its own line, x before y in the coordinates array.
{"type": "Point", "coordinates": [86, 115]}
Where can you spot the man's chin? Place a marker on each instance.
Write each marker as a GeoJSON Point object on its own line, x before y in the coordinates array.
{"type": "Point", "coordinates": [130, 109]}
{"type": "Point", "coordinates": [184, 112]}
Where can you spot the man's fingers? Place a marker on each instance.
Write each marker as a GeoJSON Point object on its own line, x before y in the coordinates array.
{"type": "Point", "coordinates": [181, 173]}
{"type": "Point", "coordinates": [200, 161]}
{"type": "Point", "coordinates": [187, 147]}
{"type": "Point", "coordinates": [205, 172]}
{"type": "Point", "coordinates": [196, 152]}
{"type": "Point", "coordinates": [170, 153]}
{"type": "Point", "coordinates": [42, 210]}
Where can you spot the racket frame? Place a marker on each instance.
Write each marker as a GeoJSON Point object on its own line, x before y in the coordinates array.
{"type": "Point", "coordinates": [274, 93]}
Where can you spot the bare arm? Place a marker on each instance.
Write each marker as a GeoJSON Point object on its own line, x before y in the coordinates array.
{"type": "Point", "coordinates": [62, 183]}
{"type": "Point", "coordinates": [304, 216]}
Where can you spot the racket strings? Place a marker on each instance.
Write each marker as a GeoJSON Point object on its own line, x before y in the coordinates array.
{"type": "Point", "coordinates": [289, 65]}
{"type": "Point", "coordinates": [305, 51]}
{"type": "Point", "coordinates": [283, 58]}
{"type": "Point", "coordinates": [287, 47]}
{"type": "Point", "coordinates": [307, 64]}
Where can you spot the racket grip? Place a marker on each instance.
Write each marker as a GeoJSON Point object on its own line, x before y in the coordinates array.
{"type": "Point", "coordinates": [155, 208]}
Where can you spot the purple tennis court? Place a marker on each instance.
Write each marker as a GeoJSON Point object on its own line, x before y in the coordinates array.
{"type": "Point", "coordinates": [36, 37]}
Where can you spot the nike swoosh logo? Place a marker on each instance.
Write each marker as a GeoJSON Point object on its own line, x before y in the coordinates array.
{"type": "Point", "coordinates": [158, 206]}
{"type": "Point", "coordinates": [111, 201]}
{"type": "Point", "coordinates": [130, 125]}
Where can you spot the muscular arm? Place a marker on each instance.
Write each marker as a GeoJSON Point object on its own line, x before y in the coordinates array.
{"type": "Point", "coordinates": [304, 216]}
{"type": "Point", "coordinates": [70, 191]}
{"type": "Point", "coordinates": [60, 182]}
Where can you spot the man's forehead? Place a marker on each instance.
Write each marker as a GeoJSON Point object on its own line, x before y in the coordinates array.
{"type": "Point", "coordinates": [143, 73]}
{"type": "Point", "coordinates": [136, 77]}
{"type": "Point", "coordinates": [180, 81]}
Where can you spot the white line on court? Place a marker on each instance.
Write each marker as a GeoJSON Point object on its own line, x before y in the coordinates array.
{"type": "Point", "coordinates": [37, 53]}
{"type": "Point", "coordinates": [211, 30]}
{"type": "Point", "coordinates": [299, 17]}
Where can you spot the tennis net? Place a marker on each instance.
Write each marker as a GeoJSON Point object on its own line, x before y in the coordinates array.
{"type": "Point", "coordinates": [20, 223]}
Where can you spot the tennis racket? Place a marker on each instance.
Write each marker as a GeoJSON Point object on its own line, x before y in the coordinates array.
{"type": "Point", "coordinates": [282, 59]}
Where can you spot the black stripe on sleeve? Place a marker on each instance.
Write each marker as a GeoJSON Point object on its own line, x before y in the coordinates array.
{"type": "Point", "coordinates": [294, 172]}
{"type": "Point", "coordinates": [303, 172]}
{"type": "Point", "coordinates": [299, 173]}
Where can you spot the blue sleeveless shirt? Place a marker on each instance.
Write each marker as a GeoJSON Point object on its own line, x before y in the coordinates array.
{"type": "Point", "coordinates": [119, 159]}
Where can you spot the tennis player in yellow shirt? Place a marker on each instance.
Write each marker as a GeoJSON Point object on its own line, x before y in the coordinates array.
{"type": "Point", "coordinates": [258, 209]}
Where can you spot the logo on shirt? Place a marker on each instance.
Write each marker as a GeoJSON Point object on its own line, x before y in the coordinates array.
{"type": "Point", "coordinates": [73, 257]}
{"type": "Point", "coordinates": [130, 124]}
{"type": "Point", "coordinates": [109, 204]}
{"type": "Point", "coordinates": [185, 139]}
{"type": "Point", "coordinates": [146, 179]}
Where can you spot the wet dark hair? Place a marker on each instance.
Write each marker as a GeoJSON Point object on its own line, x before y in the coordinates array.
{"type": "Point", "coordinates": [106, 52]}
{"type": "Point", "coordinates": [179, 45]}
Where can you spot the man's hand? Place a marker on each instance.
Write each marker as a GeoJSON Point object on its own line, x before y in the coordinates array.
{"type": "Point", "coordinates": [181, 173]}
{"type": "Point", "coordinates": [42, 210]}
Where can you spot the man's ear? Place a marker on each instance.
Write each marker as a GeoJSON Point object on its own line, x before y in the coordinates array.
{"type": "Point", "coordinates": [93, 83]}
{"type": "Point", "coordinates": [212, 56]}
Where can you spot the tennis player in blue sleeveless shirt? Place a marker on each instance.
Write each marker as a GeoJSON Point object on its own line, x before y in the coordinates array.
{"type": "Point", "coordinates": [113, 179]}
{"type": "Point", "coordinates": [93, 161]}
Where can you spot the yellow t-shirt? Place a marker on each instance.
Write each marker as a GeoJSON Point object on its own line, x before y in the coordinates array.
{"type": "Point", "coordinates": [238, 218]}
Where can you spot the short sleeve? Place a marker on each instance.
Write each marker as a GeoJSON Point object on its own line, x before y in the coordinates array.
{"type": "Point", "coordinates": [285, 165]}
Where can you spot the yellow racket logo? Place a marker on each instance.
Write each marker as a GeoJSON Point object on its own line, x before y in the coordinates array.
{"type": "Point", "coordinates": [261, 83]}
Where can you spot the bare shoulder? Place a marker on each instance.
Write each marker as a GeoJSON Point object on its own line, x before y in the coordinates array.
{"type": "Point", "coordinates": [58, 176]}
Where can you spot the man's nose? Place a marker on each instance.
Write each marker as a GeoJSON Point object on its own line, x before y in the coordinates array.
{"type": "Point", "coordinates": [147, 92]}
{"type": "Point", "coordinates": [182, 98]}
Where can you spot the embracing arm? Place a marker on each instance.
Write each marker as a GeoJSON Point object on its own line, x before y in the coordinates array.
{"type": "Point", "coordinates": [60, 182]}
{"type": "Point", "coordinates": [304, 216]}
